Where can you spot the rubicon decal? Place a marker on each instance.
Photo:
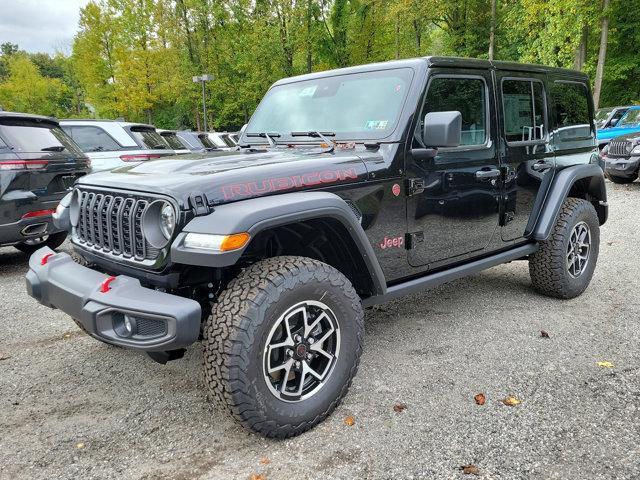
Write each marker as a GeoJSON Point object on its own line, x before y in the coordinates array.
{"type": "Point", "coordinates": [393, 242]}
{"type": "Point", "coordinates": [268, 185]}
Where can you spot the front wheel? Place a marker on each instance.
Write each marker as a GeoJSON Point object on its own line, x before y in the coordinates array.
{"type": "Point", "coordinates": [564, 264]}
{"type": "Point", "coordinates": [283, 343]}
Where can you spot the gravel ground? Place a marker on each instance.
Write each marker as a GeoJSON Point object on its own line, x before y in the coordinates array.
{"type": "Point", "coordinates": [71, 407]}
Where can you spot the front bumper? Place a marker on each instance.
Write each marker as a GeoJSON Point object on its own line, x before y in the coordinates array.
{"type": "Point", "coordinates": [626, 167]}
{"type": "Point", "coordinates": [161, 321]}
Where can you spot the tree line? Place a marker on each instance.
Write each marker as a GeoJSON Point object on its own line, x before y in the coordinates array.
{"type": "Point", "coordinates": [135, 59]}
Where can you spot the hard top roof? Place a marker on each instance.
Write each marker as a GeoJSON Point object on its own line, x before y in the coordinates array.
{"type": "Point", "coordinates": [439, 62]}
{"type": "Point", "coordinates": [27, 115]}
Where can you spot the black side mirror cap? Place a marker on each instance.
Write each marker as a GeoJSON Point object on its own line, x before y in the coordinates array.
{"type": "Point", "coordinates": [442, 129]}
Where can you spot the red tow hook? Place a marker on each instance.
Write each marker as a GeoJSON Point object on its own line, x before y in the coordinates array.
{"type": "Point", "coordinates": [45, 258]}
{"type": "Point", "coordinates": [105, 285]}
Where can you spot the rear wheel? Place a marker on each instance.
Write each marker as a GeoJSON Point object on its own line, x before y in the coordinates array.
{"type": "Point", "coordinates": [282, 344]}
{"type": "Point", "coordinates": [52, 241]}
{"type": "Point", "coordinates": [564, 264]}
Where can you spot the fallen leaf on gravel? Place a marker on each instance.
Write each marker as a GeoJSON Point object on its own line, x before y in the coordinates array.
{"type": "Point", "coordinates": [66, 335]}
{"type": "Point", "coordinates": [606, 364]}
{"type": "Point", "coordinates": [257, 476]}
{"type": "Point", "coordinates": [470, 470]}
{"type": "Point", "coordinates": [80, 445]}
{"type": "Point", "coordinates": [480, 399]}
{"type": "Point", "coordinates": [399, 407]}
{"type": "Point", "coordinates": [544, 334]}
{"type": "Point", "coordinates": [4, 357]}
{"type": "Point", "coordinates": [349, 421]}
{"type": "Point", "coordinates": [265, 461]}
{"type": "Point", "coordinates": [511, 401]}
{"type": "Point", "coordinates": [610, 243]}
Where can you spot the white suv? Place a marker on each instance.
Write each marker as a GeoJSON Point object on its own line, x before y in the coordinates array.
{"type": "Point", "coordinates": [111, 143]}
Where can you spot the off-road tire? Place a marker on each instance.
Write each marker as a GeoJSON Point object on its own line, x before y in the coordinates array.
{"type": "Point", "coordinates": [236, 333]}
{"type": "Point", "coordinates": [53, 242]}
{"type": "Point", "coordinates": [548, 266]}
{"type": "Point", "coordinates": [622, 180]}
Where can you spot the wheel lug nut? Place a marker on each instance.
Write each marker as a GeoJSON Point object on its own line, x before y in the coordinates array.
{"type": "Point", "coordinates": [309, 356]}
{"type": "Point", "coordinates": [298, 338]}
{"type": "Point", "coordinates": [311, 340]}
{"type": "Point", "coordinates": [297, 364]}
{"type": "Point", "coordinates": [289, 353]}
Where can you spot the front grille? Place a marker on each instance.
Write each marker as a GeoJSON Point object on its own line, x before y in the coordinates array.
{"type": "Point", "coordinates": [620, 148]}
{"type": "Point", "coordinates": [112, 223]}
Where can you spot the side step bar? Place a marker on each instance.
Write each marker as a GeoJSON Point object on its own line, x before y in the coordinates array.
{"type": "Point", "coordinates": [444, 276]}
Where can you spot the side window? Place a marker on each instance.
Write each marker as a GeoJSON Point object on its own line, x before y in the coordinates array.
{"type": "Point", "coordinates": [523, 106]}
{"type": "Point", "coordinates": [465, 95]}
{"type": "Point", "coordinates": [92, 139]}
{"type": "Point", "coordinates": [571, 110]}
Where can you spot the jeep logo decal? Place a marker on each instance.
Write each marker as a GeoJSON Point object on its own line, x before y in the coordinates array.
{"type": "Point", "coordinates": [268, 185]}
{"type": "Point", "coordinates": [394, 242]}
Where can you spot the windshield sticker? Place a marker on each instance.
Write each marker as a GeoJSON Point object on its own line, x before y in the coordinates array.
{"type": "Point", "coordinates": [308, 91]}
{"type": "Point", "coordinates": [376, 124]}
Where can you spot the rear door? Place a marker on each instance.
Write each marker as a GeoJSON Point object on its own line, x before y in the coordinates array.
{"type": "Point", "coordinates": [453, 205]}
{"type": "Point", "coordinates": [528, 160]}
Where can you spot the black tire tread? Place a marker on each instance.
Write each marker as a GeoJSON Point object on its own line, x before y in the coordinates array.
{"type": "Point", "coordinates": [547, 265]}
{"type": "Point", "coordinates": [231, 328]}
{"type": "Point", "coordinates": [53, 242]}
{"type": "Point", "coordinates": [622, 180]}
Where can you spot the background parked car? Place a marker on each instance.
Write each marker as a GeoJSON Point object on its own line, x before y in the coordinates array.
{"type": "Point", "coordinates": [196, 141]}
{"type": "Point", "coordinates": [173, 141]}
{"type": "Point", "coordinates": [628, 123]}
{"type": "Point", "coordinates": [38, 164]}
{"type": "Point", "coordinates": [621, 158]}
{"type": "Point", "coordinates": [222, 140]}
{"type": "Point", "coordinates": [608, 117]}
{"type": "Point", "coordinates": [111, 144]}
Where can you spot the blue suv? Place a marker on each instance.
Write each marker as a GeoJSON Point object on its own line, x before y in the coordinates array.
{"type": "Point", "coordinates": [629, 123]}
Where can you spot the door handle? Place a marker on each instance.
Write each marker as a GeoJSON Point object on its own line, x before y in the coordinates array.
{"type": "Point", "coordinates": [487, 174]}
{"type": "Point", "coordinates": [540, 166]}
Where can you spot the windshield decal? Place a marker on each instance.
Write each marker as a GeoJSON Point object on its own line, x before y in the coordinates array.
{"type": "Point", "coordinates": [268, 185]}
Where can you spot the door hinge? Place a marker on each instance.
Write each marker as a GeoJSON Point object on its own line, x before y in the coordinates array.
{"type": "Point", "coordinates": [414, 239]}
{"type": "Point", "coordinates": [415, 186]}
{"type": "Point", "coordinates": [199, 203]}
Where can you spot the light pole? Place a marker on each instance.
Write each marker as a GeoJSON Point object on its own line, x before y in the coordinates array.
{"type": "Point", "coordinates": [203, 79]}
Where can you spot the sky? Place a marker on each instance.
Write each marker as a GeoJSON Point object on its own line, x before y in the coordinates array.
{"type": "Point", "coordinates": [40, 25]}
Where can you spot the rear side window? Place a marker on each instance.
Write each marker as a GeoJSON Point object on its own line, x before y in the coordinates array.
{"type": "Point", "coordinates": [465, 95]}
{"type": "Point", "coordinates": [524, 113]}
{"type": "Point", "coordinates": [27, 135]}
{"type": "Point", "coordinates": [149, 138]}
{"type": "Point", "coordinates": [92, 139]}
{"type": "Point", "coordinates": [571, 109]}
{"type": "Point", "coordinates": [173, 141]}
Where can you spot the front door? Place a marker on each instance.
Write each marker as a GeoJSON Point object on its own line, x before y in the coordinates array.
{"type": "Point", "coordinates": [528, 160]}
{"type": "Point", "coordinates": [454, 198]}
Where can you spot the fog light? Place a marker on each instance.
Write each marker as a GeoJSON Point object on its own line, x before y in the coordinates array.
{"type": "Point", "coordinates": [128, 326]}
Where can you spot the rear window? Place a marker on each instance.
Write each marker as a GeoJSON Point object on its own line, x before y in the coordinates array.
{"type": "Point", "coordinates": [523, 110]}
{"type": "Point", "coordinates": [206, 141]}
{"type": "Point", "coordinates": [149, 138]}
{"type": "Point", "coordinates": [28, 135]}
{"type": "Point", "coordinates": [173, 141]}
{"type": "Point", "coordinates": [92, 139]}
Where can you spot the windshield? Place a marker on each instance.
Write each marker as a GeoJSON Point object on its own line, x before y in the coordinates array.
{"type": "Point", "coordinates": [602, 114]}
{"type": "Point", "coordinates": [27, 135]}
{"type": "Point", "coordinates": [149, 138]}
{"type": "Point", "coordinates": [204, 139]}
{"type": "Point", "coordinates": [356, 106]}
{"type": "Point", "coordinates": [632, 118]}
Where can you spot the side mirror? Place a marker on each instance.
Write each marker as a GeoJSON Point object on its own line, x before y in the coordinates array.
{"type": "Point", "coordinates": [442, 129]}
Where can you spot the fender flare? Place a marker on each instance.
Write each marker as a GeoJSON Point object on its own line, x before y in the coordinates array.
{"type": "Point", "coordinates": [258, 214]}
{"type": "Point", "coordinates": [559, 190]}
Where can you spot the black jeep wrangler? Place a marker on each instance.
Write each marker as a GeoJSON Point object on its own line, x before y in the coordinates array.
{"type": "Point", "coordinates": [621, 158]}
{"type": "Point", "coordinates": [351, 188]}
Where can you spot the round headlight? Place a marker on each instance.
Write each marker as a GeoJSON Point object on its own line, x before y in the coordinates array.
{"type": "Point", "coordinates": [159, 223]}
{"type": "Point", "coordinates": [167, 221]}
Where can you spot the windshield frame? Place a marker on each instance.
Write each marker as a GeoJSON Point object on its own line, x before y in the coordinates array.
{"type": "Point", "coordinates": [407, 106]}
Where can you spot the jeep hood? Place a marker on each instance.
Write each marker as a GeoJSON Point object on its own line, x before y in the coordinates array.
{"type": "Point", "coordinates": [230, 176]}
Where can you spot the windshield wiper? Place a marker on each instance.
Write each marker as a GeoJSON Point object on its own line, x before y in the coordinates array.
{"type": "Point", "coordinates": [158, 147]}
{"type": "Point", "coordinates": [55, 148]}
{"type": "Point", "coordinates": [321, 135]}
{"type": "Point", "coordinates": [269, 136]}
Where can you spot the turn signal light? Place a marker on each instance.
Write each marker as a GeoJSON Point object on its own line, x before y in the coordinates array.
{"type": "Point", "coordinates": [234, 242]}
